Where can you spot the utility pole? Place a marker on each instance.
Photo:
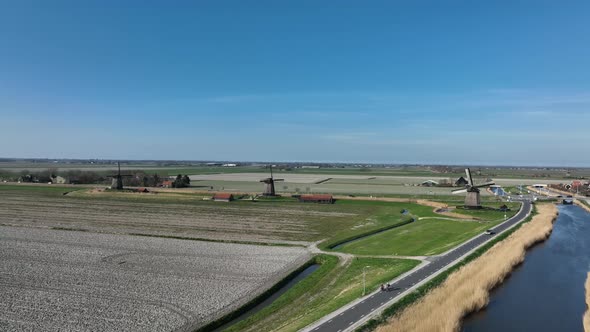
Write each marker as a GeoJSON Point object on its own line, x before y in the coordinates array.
{"type": "Point", "coordinates": [364, 282]}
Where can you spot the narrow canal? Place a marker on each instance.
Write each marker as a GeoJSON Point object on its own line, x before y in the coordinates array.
{"type": "Point", "coordinates": [545, 293]}
{"type": "Point", "coordinates": [268, 301]}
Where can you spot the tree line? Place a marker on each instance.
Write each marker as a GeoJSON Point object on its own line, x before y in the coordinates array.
{"type": "Point", "coordinates": [138, 179]}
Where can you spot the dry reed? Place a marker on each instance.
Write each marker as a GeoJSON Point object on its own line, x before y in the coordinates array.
{"type": "Point", "coordinates": [467, 290]}
{"type": "Point", "coordinates": [587, 315]}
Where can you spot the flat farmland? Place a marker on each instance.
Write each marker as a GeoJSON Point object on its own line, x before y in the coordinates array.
{"type": "Point", "coordinates": [67, 280]}
{"type": "Point", "coordinates": [288, 177]}
{"type": "Point", "coordinates": [188, 216]}
{"type": "Point", "coordinates": [239, 221]}
{"type": "Point", "coordinates": [341, 184]}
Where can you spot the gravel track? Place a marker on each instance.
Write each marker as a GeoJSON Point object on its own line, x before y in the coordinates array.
{"type": "Point", "coordinates": [61, 280]}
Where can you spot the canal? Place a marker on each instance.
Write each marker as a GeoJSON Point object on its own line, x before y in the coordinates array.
{"type": "Point", "coordinates": [545, 293]}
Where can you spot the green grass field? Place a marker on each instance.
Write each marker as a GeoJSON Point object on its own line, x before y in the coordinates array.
{"type": "Point", "coordinates": [427, 236]}
{"type": "Point", "coordinates": [325, 290]}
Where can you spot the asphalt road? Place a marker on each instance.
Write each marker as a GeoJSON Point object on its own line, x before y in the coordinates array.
{"type": "Point", "coordinates": [378, 299]}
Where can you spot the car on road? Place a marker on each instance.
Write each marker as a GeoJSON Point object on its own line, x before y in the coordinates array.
{"type": "Point", "coordinates": [490, 232]}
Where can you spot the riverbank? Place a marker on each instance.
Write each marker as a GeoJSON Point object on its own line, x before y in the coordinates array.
{"type": "Point", "coordinates": [467, 290]}
{"type": "Point", "coordinates": [582, 204]}
{"type": "Point", "coordinates": [587, 315]}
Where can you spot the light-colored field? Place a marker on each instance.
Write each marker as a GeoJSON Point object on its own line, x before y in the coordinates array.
{"type": "Point", "coordinates": [341, 184]}
{"type": "Point", "coordinates": [587, 314]}
{"type": "Point", "coordinates": [63, 280]}
{"type": "Point", "coordinates": [291, 177]}
{"type": "Point", "coordinates": [326, 187]}
{"type": "Point", "coordinates": [467, 290]}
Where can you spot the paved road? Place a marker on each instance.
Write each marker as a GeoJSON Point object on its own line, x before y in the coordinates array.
{"type": "Point", "coordinates": [373, 302]}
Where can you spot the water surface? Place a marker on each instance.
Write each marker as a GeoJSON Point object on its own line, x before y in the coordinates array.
{"type": "Point", "coordinates": [546, 293]}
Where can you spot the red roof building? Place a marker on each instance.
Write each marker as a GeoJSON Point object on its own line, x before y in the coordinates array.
{"type": "Point", "coordinates": [167, 184]}
{"type": "Point", "coordinates": [223, 197]}
{"type": "Point", "coordinates": [322, 199]}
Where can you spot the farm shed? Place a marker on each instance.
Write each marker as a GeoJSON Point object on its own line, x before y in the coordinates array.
{"type": "Point", "coordinates": [167, 184]}
{"type": "Point", "coordinates": [429, 183]}
{"type": "Point", "coordinates": [58, 180]}
{"type": "Point", "coordinates": [322, 199]}
{"type": "Point", "coordinates": [223, 197]}
{"type": "Point", "coordinates": [461, 182]}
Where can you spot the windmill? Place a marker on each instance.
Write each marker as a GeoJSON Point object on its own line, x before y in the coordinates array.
{"type": "Point", "coordinates": [472, 200]}
{"type": "Point", "coordinates": [269, 189]}
{"type": "Point", "coordinates": [118, 179]}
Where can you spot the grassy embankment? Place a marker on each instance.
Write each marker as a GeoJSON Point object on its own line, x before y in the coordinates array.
{"type": "Point", "coordinates": [587, 314]}
{"type": "Point", "coordinates": [325, 290]}
{"type": "Point", "coordinates": [467, 290]}
{"type": "Point", "coordinates": [583, 204]}
{"type": "Point", "coordinates": [428, 236]}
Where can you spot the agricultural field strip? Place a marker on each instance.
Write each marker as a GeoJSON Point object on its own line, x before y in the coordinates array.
{"type": "Point", "coordinates": [355, 180]}
{"type": "Point", "coordinates": [289, 177]}
{"type": "Point", "coordinates": [25, 199]}
{"type": "Point", "coordinates": [57, 219]}
{"type": "Point", "coordinates": [111, 282]}
{"type": "Point", "coordinates": [61, 211]}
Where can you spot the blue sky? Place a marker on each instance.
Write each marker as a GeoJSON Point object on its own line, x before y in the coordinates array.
{"type": "Point", "coordinates": [497, 82]}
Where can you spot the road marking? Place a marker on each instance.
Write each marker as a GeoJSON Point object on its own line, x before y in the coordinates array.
{"type": "Point", "coordinates": [330, 321]}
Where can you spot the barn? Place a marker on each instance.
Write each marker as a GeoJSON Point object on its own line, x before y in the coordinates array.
{"type": "Point", "coordinates": [461, 182]}
{"type": "Point", "coordinates": [322, 199]}
{"type": "Point", "coordinates": [223, 197]}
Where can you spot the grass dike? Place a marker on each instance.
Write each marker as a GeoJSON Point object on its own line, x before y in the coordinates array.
{"type": "Point", "coordinates": [467, 290]}
{"type": "Point", "coordinates": [583, 204]}
{"type": "Point", "coordinates": [587, 314]}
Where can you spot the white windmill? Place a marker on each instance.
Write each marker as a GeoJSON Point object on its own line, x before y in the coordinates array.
{"type": "Point", "coordinates": [472, 200]}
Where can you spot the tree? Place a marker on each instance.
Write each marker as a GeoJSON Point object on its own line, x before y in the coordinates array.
{"type": "Point", "coordinates": [155, 180]}
{"type": "Point", "coordinates": [186, 181]}
{"type": "Point", "coordinates": [178, 182]}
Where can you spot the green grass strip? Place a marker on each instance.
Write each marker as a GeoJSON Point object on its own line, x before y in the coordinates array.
{"type": "Point", "coordinates": [327, 264]}
{"type": "Point", "coordinates": [335, 243]}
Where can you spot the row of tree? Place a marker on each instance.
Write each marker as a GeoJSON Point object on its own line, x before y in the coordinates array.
{"type": "Point", "coordinates": [139, 178]}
